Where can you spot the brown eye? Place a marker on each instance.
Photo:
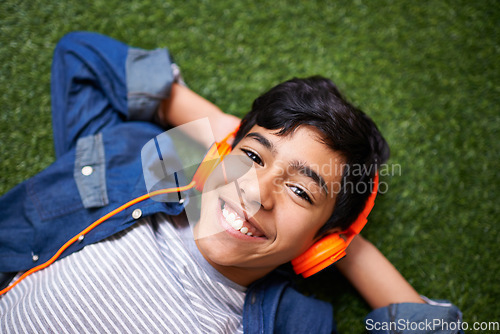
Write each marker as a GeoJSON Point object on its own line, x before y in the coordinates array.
{"type": "Point", "coordinates": [300, 193]}
{"type": "Point", "coordinates": [255, 158]}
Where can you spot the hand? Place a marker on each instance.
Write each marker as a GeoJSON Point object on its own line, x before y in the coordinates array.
{"type": "Point", "coordinates": [222, 125]}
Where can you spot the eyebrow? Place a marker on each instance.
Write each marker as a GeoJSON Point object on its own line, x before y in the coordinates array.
{"type": "Point", "coordinates": [263, 140]}
{"type": "Point", "coordinates": [302, 168]}
{"type": "Point", "coordinates": [299, 166]}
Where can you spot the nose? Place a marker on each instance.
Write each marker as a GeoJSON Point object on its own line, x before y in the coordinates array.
{"type": "Point", "coordinates": [256, 191]}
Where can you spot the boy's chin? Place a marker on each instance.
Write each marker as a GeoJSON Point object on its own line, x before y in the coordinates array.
{"type": "Point", "coordinates": [204, 229]}
{"type": "Point", "coordinates": [216, 252]}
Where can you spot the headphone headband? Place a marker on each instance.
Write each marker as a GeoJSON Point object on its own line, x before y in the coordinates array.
{"type": "Point", "coordinates": [362, 219]}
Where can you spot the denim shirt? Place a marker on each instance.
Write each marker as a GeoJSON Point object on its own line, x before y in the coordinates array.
{"type": "Point", "coordinates": [272, 305]}
{"type": "Point", "coordinates": [104, 95]}
{"type": "Point", "coordinates": [99, 112]}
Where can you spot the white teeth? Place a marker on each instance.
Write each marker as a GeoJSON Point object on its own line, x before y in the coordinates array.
{"type": "Point", "coordinates": [235, 221]}
{"type": "Point", "coordinates": [238, 225]}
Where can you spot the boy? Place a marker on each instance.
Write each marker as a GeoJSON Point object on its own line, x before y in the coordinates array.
{"type": "Point", "coordinates": [142, 270]}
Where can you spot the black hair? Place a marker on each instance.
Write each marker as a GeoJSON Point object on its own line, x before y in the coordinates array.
{"type": "Point", "coordinates": [316, 102]}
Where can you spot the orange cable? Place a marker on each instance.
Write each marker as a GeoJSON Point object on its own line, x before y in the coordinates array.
{"type": "Point", "coordinates": [107, 216]}
{"type": "Point", "coordinates": [92, 226]}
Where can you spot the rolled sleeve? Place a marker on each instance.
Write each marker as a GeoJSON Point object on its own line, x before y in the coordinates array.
{"type": "Point", "coordinates": [149, 80]}
{"type": "Point", "coordinates": [431, 317]}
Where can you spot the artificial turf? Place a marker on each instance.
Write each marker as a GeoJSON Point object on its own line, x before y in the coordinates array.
{"type": "Point", "coordinates": [426, 71]}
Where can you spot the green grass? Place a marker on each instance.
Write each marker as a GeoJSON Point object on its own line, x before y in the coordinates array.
{"type": "Point", "coordinates": [427, 72]}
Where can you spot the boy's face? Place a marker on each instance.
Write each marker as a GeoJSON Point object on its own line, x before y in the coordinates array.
{"type": "Point", "coordinates": [291, 195]}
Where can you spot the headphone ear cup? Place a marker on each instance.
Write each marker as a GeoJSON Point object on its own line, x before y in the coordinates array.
{"type": "Point", "coordinates": [210, 161]}
{"type": "Point", "coordinates": [214, 156]}
{"type": "Point", "coordinates": [323, 253]}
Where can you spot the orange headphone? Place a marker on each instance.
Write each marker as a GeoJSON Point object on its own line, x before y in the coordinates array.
{"type": "Point", "coordinates": [319, 256]}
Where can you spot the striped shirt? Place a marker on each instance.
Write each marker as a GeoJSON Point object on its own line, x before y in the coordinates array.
{"type": "Point", "coordinates": [149, 278]}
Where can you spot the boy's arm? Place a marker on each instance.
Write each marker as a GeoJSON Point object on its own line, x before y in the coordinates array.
{"type": "Point", "coordinates": [184, 106]}
{"type": "Point", "coordinates": [376, 279]}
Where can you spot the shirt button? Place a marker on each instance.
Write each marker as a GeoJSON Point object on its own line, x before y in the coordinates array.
{"type": "Point", "coordinates": [137, 213]}
{"type": "Point", "coordinates": [35, 258]}
{"type": "Point", "coordinates": [81, 237]}
{"type": "Point", "coordinates": [87, 170]}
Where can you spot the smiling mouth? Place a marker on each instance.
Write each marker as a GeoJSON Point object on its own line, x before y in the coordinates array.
{"type": "Point", "coordinates": [239, 223]}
